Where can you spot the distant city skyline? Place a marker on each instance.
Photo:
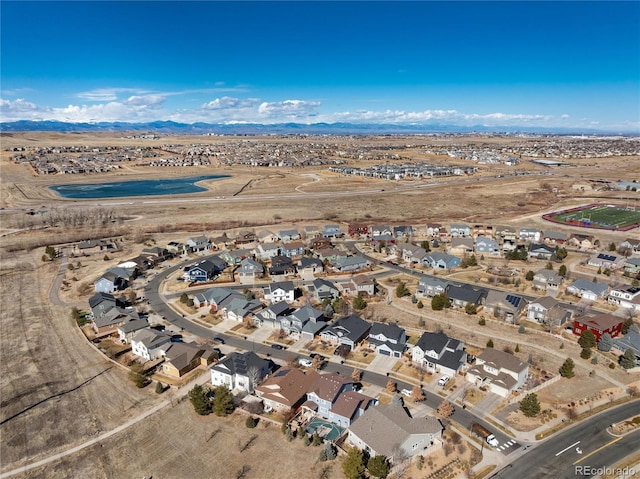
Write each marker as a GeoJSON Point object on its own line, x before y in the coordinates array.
{"type": "Point", "coordinates": [572, 65]}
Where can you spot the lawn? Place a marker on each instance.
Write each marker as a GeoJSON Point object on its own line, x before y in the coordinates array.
{"type": "Point", "coordinates": [604, 216]}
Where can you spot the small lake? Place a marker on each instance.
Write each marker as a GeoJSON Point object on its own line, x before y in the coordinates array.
{"type": "Point", "coordinates": [117, 189]}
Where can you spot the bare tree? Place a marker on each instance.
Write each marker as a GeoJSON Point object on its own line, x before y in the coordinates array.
{"type": "Point", "coordinates": [445, 409]}
{"type": "Point", "coordinates": [253, 373]}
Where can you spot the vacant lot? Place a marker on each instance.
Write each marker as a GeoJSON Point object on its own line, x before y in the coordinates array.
{"type": "Point", "coordinates": [177, 443]}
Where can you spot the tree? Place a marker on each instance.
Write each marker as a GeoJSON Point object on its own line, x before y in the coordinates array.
{"type": "Point", "coordinates": [328, 452]}
{"type": "Point", "coordinates": [316, 362]}
{"type": "Point", "coordinates": [529, 276]}
{"type": "Point", "coordinates": [612, 247]}
{"type": "Point", "coordinates": [417, 394]}
{"type": "Point", "coordinates": [402, 290]}
{"type": "Point", "coordinates": [585, 353]}
{"type": "Point", "coordinates": [378, 466]}
{"type": "Point", "coordinates": [222, 401]}
{"type": "Point", "coordinates": [605, 342]}
{"type": "Point", "coordinates": [140, 380]}
{"type": "Point", "coordinates": [440, 302]}
{"type": "Point", "coordinates": [425, 245]}
{"type": "Point", "coordinates": [566, 370]}
{"type": "Point", "coordinates": [628, 359]}
{"type": "Point", "coordinates": [445, 409]}
{"type": "Point", "coordinates": [561, 253]}
{"type": "Point", "coordinates": [482, 321]}
{"type": "Point", "coordinates": [530, 406]}
{"type": "Point", "coordinates": [199, 400]}
{"type": "Point", "coordinates": [315, 439]}
{"type": "Point", "coordinates": [587, 339]}
{"type": "Point", "coordinates": [50, 251]}
{"type": "Point", "coordinates": [353, 465]}
{"type": "Point", "coordinates": [251, 422]}
{"type": "Point", "coordinates": [470, 308]}
{"type": "Point", "coordinates": [420, 304]}
{"type": "Point", "coordinates": [490, 343]}
{"type": "Point", "coordinates": [184, 297]}
{"type": "Point", "coordinates": [562, 270]}
{"type": "Point", "coordinates": [358, 303]}
{"type": "Point", "coordinates": [522, 329]}
{"type": "Point", "coordinates": [159, 388]}
{"type": "Point", "coordinates": [626, 325]}
{"type": "Point", "coordinates": [391, 386]}
{"type": "Point", "coordinates": [517, 350]}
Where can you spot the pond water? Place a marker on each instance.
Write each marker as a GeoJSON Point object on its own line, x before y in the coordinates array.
{"type": "Point", "coordinates": [117, 189]}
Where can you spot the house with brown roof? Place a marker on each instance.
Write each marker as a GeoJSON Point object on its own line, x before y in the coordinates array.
{"type": "Point", "coordinates": [598, 325]}
{"type": "Point", "coordinates": [286, 390]}
{"type": "Point", "coordinates": [387, 430]}
{"type": "Point", "coordinates": [181, 358]}
{"type": "Point", "coordinates": [501, 372]}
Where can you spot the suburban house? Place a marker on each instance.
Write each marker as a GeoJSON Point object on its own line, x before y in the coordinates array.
{"type": "Point", "coordinates": [530, 234]}
{"type": "Point", "coordinates": [330, 254]}
{"type": "Point", "coordinates": [548, 310]}
{"type": "Point", "coordinates": [246, 238]}
{"type": "Point", "coordinates": [272, 314]}
{"type": "Point", "coordinates": [150, 344]}
{"type": "Point", "coordinates": [439, 260]}
{"type": "Point", "coordinates": [402, 231]}
{"type": "Point", "coordinates": [109, 282]}
{"type": "Point", "coordinates": [429, 286]}
{"type": "Point", "coordinates": [626, 297]}
{"type": "Point", "coordinates": [177, 248]}
{"type": "Point", "coordinates": [501, 372]}
{"type": "Point", "coordinates": [333, 398]}
{"type": "Point", "coordinates": [303, 322]}
{"type": "Point", "coordinates": [506, 233]}
{"type": "Point", "coordinates": [505, 305]}
{"type": "Point", "coordinates": [588, 289]}
{"type": "Point", "coordinates": [631, 244]}
{"type": "Point", "coordinates": [181, 358]}
{"type": "Point", "coordinates": [286, 390]}
{"type": "Point", "coordinates": [360, 284]}
{"type": "Point", "coordinates": [267, 236]}
{"type": "Point", "coordinates": [358, 229]}
{"type": "Point", "coordinates": [438, 353]}
{"type": "Point", "coordinates": [92, 246]}
{"type": "Point", "coordinates": [215, 298]}
{"type": "Point", "coordinates": [310, 232]}
{"type": "Point", "coordinates": [289, 235]}
{"type": "Point", "coordinates": [280, 291]}
{"type": "Point", "coordinates": [606, 261]}
{"type": "Point", "coordinates": [235, 256]}
{"type": "Point", "coordinates": [461, 246]}
{"type": "Point", "coordinates": [349, 330]}
{"type": "Point", "coordinates": [379, 241]}
{"type": "Point", "coordinates": [545, 279]}
{"type": "Point", "coordinates": [267, 250]}
{"type": "Point", "coordinates": [554, 237]}
{"type": "Point", "coordinates": [241, 371]}
{"type": "Point", "coordinates": [582, 241]}
{"type": "Point", "coordinates": [100, 303]}
{"type": "Point", "coordinates": [389, 430]}
{"type": "Point", "coordinates": [222, 241]}
{"type": "Point", "coordinates": [351, 263]}
{"type": "Point", "coordinates": [433, 229]}
{"type": "Point", "coordinates": [324, 289]}
{"type": "Point", "coordinates": [249, 271]}
{"type": "Point", "coordinates": [108, 322]}
{"type": "Point", "coordinates": [309, 267]}
{"type": "Point", "coordinates": [238, 308]}
{"type": "Point", "coordinates": [198, 243]}
{"type": "Point", "coordinates": [381, 230]}
{"type": "Point", "coordinates": [632, 266]}
{"type": "Point", "coordinates": [281, 266]}
{"type": "Point", "coordinates": [460, 231]}
{"type": "Point", "coordinates": [487, 246]}
{"type": "Point", "coordinates": [411, 253]}
{"type": "Point", "coordinates": [461, 295]}
{"type": "Point", "coordinates": [293, 249]}
{"type": "Point", "coordinates": [540, 251]}
{"type": "Point", "coordinates": [331, 231]}
{"type": "Point", "coordinates": [206, 270]}
{"type": "Point", "coordinates": [129, 329]}
{"type": "Point", "coordinates": [388, 339]}
{"type": "Point", "coordinates": [598, 325]}
{"type": "Point", "coordinates": [631, 340]}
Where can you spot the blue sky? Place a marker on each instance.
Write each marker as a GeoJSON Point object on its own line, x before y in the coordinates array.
{"type": "Point", "coordinates": [536, 64]}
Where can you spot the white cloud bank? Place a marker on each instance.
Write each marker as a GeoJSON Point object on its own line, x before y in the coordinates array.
{"type": "Point", "coordinates": [143, 106]}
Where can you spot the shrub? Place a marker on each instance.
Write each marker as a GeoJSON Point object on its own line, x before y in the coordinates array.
{"type": "Point", "coordinates": [521, 329]}
{"type": "Point", "coordinates": [251, 422]}
{"type": "Point", "coordinates": [482, 321]}
{"type": "Point", "coordinates": [585, 354]}
{"type": "Point", "coordinates": [159, 388]}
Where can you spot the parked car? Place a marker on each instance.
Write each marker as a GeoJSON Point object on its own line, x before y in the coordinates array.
{"type": "Point", "coordinates": [305, 362]}
{"type": "Point", "coordinates": [443, 380]}
{"type": "Point", "coordinates": [276, 346]}
{"type": "Point", "coordinates": [406, 392]}
{"type": "Point", "coordinates": [218, 339]}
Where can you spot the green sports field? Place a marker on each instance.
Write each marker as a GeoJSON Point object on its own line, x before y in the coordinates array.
{"type": "Point", "coordinates": [601, 216]}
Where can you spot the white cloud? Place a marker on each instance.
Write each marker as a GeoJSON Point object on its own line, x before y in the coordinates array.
{"type": "Point", "coordinates": [289, 109]}
{"type": "Point", "coordinates": [228, 103]}
{"type": "Point", "coordinates": [20, 109]}
{"type": "Point", "coordinates": [107, 94]}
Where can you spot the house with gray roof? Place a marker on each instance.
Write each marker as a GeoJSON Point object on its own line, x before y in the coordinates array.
{"type": "Point", "coordinates": [249, 271]}
{"type": "Point", "coordinates": [349, 330]}
{"type": "Point", "coordinates": [332, 231]}
{"type": "Point", "coordinates": [438, 353]}
{"type": "Point", "coordinates": [289, 235]}
{"type": "Point", "coordinates": [150, 344]}
{"type": "Point", "coordinates": [461, 295]}
{"type": "Point", "coordinates": [182, 357]}
{"type": "Point", "coordinates": [215, 298]}
{"type": "Point", "coordinates": [632, 266]}
{"type": "Point", "coordinates": [267, 250]}
{"type": "Point", "coordinates": [461, 246]}
{"type": "Point", "coordinates": [411, 253]}
{"type": "Point", "coordinates": [505, 305]}
{"type": "Point", "coordinates": [548, 310]}
{"type": "Point", "coordinates": [607, 260]}
{"type": "Point", "coordinates": [487, 246]}
{"type": "Point", "coordinates": [351, 263]}
{"type": "Point", "coordinates": [323, 289]}
{"type": "Point", "coordinates": [540, 251]}
{"type": "Point", "coordinates": [101, 302]}
{"type": "Point", "coordinates": [429, 286]}
{"type": "Point", "coordinates": [588, 289]}
{"type": "Point", "coordinates": [241, 371]}
{"type": "Point", "coordinates": [240, 308]}
{"type": "Point", "coordinates": [270, 316]}
{"type": "Point", "coordinates": [296, 324]}
{"type": "Point", "coordinates": [308, 268]}
{"type": "Point", "coordinates": [545, 279]}
{"type": "Point", "coordinates": [280, 291]}
{"type": "Point", "coordinates": [388, 339]}
{"type": "Point", "coordinates": [554, 237]}
{"type": "Point", "coordinates": [439, 260]}
{"type": "Point", "coordinates": [111, 319]}
{"type": "Point", "coordinates": [389, 430]}
{"type": "Point", "coordinates": [128, 330]}
{"type": "Point", "coordinates": [502, 373]}
{"type": "Point", "coordinates": [459, 230]}
{"type": "Point", "coordinates": [631, 340]}
{"type": "Point", "coordinates": [198, 243]}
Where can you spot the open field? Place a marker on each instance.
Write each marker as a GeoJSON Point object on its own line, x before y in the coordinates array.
{"type": "Point", "coordinates": [58, 391]}
{"type": "Point", "coordinates": [615, 217]}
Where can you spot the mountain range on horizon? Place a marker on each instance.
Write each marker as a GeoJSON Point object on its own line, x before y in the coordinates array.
{"type": "Point", "coordinates": [171, 127]}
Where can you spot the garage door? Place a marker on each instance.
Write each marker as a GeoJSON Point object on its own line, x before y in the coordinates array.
{"type": "Point", "coordinates": [383, 352]}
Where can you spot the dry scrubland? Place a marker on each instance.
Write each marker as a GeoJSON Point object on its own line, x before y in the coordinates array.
{"type": "Point", "coordinates": [58, 391]}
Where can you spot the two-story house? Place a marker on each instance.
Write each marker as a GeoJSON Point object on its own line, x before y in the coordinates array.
{"type": "Point", "coordinates": [588, 289]}
{"type": "Point", "coordinates": [504, 305]}
{"type": "Point", "coordinates": [241, 371]}
{"type": "Point", "coordinates": [249, 271]}
{"type": "Point", "coordinates": [546, 279]}
{"type": "Point", "coordinates": [149, 344]}
{"type": "Point", "coordinates": [627, 297]}
{"type": "Point", "coordinates": [388, 339]}
{"type": "Point", "coordinates": [437, 352]}
{"type": "Point", "coordinates": [286, 389]}
{"type": "Point", "coordinates": [280, 291]}
{"type": "Point", "coordinates": [349, 330]}
{"type": "Point", "coordinates": [429, 286]}
{"type": "Point", "coordinates": [439, 260]}
{"type": "Point", "coordinates": [324, 289]}
{"type": "Point", "coordinates": [598, 324]}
